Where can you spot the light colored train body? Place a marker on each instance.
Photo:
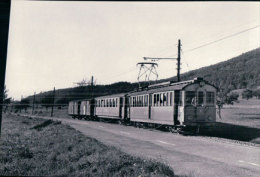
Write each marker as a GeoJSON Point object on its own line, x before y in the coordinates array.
{"type": "Point", "coordinates": [184, 103]}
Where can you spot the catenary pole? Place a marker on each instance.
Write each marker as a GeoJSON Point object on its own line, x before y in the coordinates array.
{"type": "Point", "coordinates": [179, 61]}
{"type": "Point", "coordinates": [53, 102]}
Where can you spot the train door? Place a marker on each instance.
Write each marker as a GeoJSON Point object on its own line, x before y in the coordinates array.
{"type": "Point", "coordinates": [149, 105]}
{"type": "Point", "coordinates": [120, 106]}
{"type": "Point", "coordinates": [129, 104]}
{"type": "Point", "coordinates": [78, 105]}
{"type": "Point", "coordinates": [125, 106]}
{"type": "Point", "coordinates": [200, 109]}
{"type": "Point", "coordinates": [176, 106]}
{"type": "Point", "coordinates": [92, 106]}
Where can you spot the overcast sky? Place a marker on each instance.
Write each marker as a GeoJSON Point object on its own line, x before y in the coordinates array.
{"type": "Point", "coordinates": [60, 43]}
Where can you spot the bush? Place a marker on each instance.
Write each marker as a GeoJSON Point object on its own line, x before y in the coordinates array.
{"type": "Point", "coordinates": [256, 93]}
{"type": "Point", "coordinates": [247, 94]}
{"type": "Point", "coordinates": [232, 97]}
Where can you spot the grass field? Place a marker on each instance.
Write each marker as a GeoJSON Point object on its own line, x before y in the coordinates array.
{"type": "Point", "coordinates": [240, 121]}
{"type": "Point", "coordinates": [36, 147]}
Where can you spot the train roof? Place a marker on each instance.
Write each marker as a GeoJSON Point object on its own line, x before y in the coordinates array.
{"type": "Point", "coordinates": [114, 95]}
{"type": "Point", "coordinates": [84, 99]}
{"type": "Point", "coordinates": [168, 86]}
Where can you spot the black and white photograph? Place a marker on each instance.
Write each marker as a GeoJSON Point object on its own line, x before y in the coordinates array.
{"type": "Point", "coordinates": [129, 88]}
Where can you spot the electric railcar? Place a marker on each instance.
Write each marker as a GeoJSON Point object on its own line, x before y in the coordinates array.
{"type": "Point", "coordinates": [184, 103]}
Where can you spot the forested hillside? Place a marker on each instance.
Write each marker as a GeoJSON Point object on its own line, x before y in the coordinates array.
{"type": "Point", "coordinates": [242, 71]}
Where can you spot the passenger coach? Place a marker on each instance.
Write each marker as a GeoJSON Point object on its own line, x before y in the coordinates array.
{"type": "Point", "coordinates": [183, 103]}
{"type": "Point", "coordinates": [111, 106]}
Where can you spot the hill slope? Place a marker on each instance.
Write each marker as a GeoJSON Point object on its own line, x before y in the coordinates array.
{"type": "Point", "coordinates": [239, 72]}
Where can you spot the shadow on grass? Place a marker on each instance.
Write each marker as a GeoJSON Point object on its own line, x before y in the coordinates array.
{"type": "Point", "coordinates": [231, 131]}
{"type": "Point", "coordinates": [45, 124]}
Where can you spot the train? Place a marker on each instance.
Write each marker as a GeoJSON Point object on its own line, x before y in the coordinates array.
{"type": "Point", "coordinates": [168, 104]}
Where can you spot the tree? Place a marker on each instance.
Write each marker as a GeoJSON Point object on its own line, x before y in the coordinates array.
{"type": "Point", "coordinates": [25, 103]}
{"type": "Point", "coordinates": [256, 93]}
{"type": "Point", "coordinates": [230, 98]}
{"type": "Point", "coordinates": [247, 94]}
{"type": "Point", "coordinates": [47, 101]}
{"type": "Point", "coordinates": [6, 100]}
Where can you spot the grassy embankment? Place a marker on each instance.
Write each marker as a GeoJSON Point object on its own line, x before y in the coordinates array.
{"type": "Point", "coordinates": [36, 147]}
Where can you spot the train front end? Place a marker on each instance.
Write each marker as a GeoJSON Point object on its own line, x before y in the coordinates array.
{"type": "Point", "coordinates": [198, 104]}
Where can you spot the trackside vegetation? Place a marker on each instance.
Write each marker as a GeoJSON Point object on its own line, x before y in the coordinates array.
{"type": "Point", "coordinates": [36, 147]}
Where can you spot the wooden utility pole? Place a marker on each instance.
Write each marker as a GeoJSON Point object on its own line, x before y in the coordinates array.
{"type": "Point", "coordinates": [92, 87]}
{"type": "Point", "coordinates": [33, 103]}
{"type": "Point", "coordinates": [4, 23]}
{"type": "Point", "coordinates": [53, 102]}
{"type": "Point", "coordinates": [179, 61]}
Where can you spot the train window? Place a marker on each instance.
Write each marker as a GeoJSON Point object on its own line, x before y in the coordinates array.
{"type": "Point", "coordinates": [190, 98]}
{"type": "Point", "coordinates": [200, 98]}
{"type": "Point", "coordinates": [148, 100]}
{"type": "Point", "coordinates": [154, 99]}
{"type": "Point", "coordinates": [164, 99]}
{"type": "Point", "coordinates": [210, 97]}
{"type": "Point", "coordinates": [170, 98]}
{"type": "Point", "coordinates": [160, 99]}
{"type": "Point", "coordinates": [167, 99]}
{"type": "Point", "coordinates": [180, 96]}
